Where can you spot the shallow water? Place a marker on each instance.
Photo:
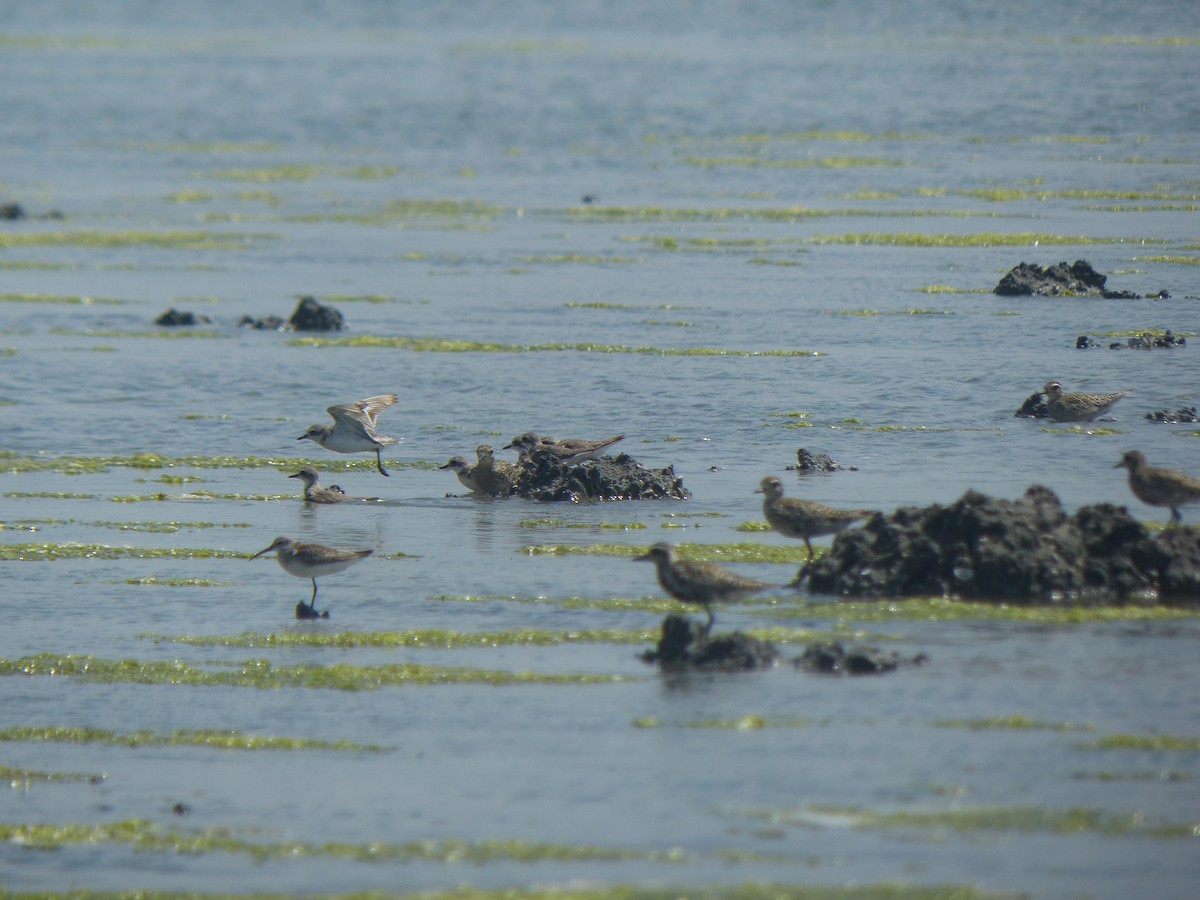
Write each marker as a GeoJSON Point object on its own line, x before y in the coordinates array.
{"type": "Point", "coordinates": [766, 177]}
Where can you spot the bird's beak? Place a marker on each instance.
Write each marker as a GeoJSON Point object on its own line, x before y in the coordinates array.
{"type": "Point", "coordinates": [644, 556]}
{"type": "Point", "coordinates": [302, 437]}
{"type": "Point", "coordinates": [1119, 465]}
{"type": "Point", "coordinates": [297, 475]}
{"type": "Point", "coordinates": [261, 552]}
{"type": "Point", "coordinates": [758, 490]}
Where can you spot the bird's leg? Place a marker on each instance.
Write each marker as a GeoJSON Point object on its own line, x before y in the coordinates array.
{"type": "Point", "coordinates": [1176, 516]}
{"type": "Point", "coordinates": [711, 619]}
{"type": "Point", "coordinates": [379, 464]}
{"type": "Point", "coordinates": [312, 603]}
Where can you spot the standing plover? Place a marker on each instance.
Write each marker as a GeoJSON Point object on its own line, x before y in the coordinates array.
{"type": "Point", "coordinates": [1077, 407]}
{"type": "Point", "coordinates": [804, 519]}
{"type": "Point", "coordinates": [701, 583]}
{"type": "Point", "coordinates": [1159, 487]}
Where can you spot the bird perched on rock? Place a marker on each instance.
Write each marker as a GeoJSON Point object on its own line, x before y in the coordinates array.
{"type": "Point", "coordinates": [1077, 407]}
{"type": "Point", "coordinates": [804, 519]}
{"type": "Point", "coordinates": [700, 583]}
{"type": "Point", "coordinates": [567, 451]}
{"type": "Point", "coordinates": [1157, 486]}
{"type": "Point", "coordinates": [353, 428]}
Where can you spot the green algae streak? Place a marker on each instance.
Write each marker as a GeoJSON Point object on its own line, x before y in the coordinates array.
{"type": "Point", "coordinates": [220, 740]}
{"type": "Point", "coordinates": [940, 609]}
{"type": "Point", "coordinates": [260, 673]}
{"type": "Point", "coordinates": [70, 550]}
{"type": "Point", "coordinates": [20, 778]}
{"type": "Point", "coordinates": [743, 552]}
{"type": "Point", "coordinates": [1014, 721]}
{"type": "Point", "coordinates": [56, 298]}
{"type": "Point", "coordinates": [14, 462]}
{"type": "Point", "coordinates": [171, 240]}
{"type": "Point", "coordinates": [430, 638]}
{"type": "Point", "coordinates": [750, 722]}
{"type": "Point", "coordinates": [1155, 742]}
{"type": "Point", "coordinates": [988, 239]}
{"type": "Point", "coordinates": [1028, 819]}
{"type": "Point", "coordinates": [448, 345]}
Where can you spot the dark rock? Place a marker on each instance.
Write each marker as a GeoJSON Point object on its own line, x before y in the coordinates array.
{"type": "Point", "coordinates": [807, 461]}
{"type": "Point", "coordinates": [832, 658]}
{"type": "Point", "coordinates": [683, 644]}
{"type": "Point", "coordinates": [267, 323]}
{"type": "Point", "coordinates": [1025, 551]}
{"type": "Point", "coordinates": [1183, 414]}
{"type": "Point", "coordinates": [1150, 341]}
{"type": "Point", "coordinates": [1164, 294]}
{"type": "Point", "coordinates": [313, 316]}
{"type": "Point", "coordinates": [173, 317]}
{"type": "Point", "coordinates": [11, 211]}
{"type": "Point", "coordinates": [1034, 407]}
{"type": "Point", "coordinates": [1078, 279]}
{"type": "Point", "coordinates": [1083, 342]}
{"type": "Point", "coordinates": [607, 478]}
{"type": "Point", "coordinates": [304, 611]}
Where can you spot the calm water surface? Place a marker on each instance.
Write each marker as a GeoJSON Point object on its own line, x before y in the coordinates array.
{"type": "Point", "coordinates": [763, 177]}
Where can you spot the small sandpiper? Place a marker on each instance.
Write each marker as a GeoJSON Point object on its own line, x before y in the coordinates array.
{"type": "Point", "coordinates": [804, 519]}
{"type": "Point", "coordinates": [701, 583]}
{"type": "Point", "coordinates": [1077, 407]}
{"type": "Point", "coordinates": [463, 469]}
{"type": "Point", "coordinates": [353, 428]}
{"type": "Point", "coordinates": [567, 451]}
{"type": "Point", "coordinates": [308, 560]}
{"type": "Point", "coordinates": [317, 493]}
{"type": "Point", "coordinates": [1159, 487]}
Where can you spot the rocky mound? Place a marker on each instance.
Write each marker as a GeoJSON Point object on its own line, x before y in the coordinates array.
{"type": "Point", "coordinates": [1078, 279]}
{"type": "Point", "coordinates": [313, 316]}
{"type": "Point", "coordinates": [808, 461]}
{"type": "Point", "coordinates": [174, 318]}
{"type": "Point", "coordinates": [1174, 416]}
{"type": "Point", "coordinates": [1026, 551]}
{"type": "Point", "coordinates": [607, 478]}
{"type": "Point", "coordinates": [834, 659]}
{"type": "Point", "coordinates": [683, 644]}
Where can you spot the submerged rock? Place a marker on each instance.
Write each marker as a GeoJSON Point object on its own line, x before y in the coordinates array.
{"type": "Point", "coordinates": [1026, 551]}
{"type": "Point", "coordinates": [304, 611]}
{"type": "Point", "coordinates": [607, 478]}
{"type": "Point", "coordinates": [313, 316]}
{"type": "Point", "coordinates": [1149, 341]}
{"type": "Point", "coordinates": [1183, 414]}
{"type": "Point", "coordinates": [831, 657]}
{"type": "Point", "coordinates": [174, 317]}
{"type": "Point", "coordinates": [1077, 279]}
{"type": "Point", "coordinates": [1034, 407]}
{"type": "Point", "coordinates": [807, 461]}
{"type": "Point", "coordinates": [683, 644]}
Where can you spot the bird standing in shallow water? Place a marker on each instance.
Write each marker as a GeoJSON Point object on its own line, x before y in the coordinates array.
{"type": "Point", "coordinates": [313, 491]}
{"type": "Point", "coordinates": [804, 519]}
{"type": "Point", "coordinates": [308, 560]}
{"type": "Point", "coordinates": [1157, 486]}
{"type": "Point", "coordinates": [353, 428]}
{"type": "Point", "coordinates": [493, 476]}
{"type": "Point", "coordinates": [463, 469]}
{"type": "Point", "coordinates": [700, 583]}
{"type": "Point", "coordinates": [1077, 407]}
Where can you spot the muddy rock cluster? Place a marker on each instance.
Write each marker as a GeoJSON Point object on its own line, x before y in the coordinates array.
{"type": "Point", "coordinates": [1077, 279]}
{"type": "Point", "coordinates": [618, 477]}
{"type": "Point", "coordinates": [1026, 551]}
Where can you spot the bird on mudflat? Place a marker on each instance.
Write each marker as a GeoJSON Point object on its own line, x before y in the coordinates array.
{"type": "Point", "coordinates": [353, 428]}
{"type": "Point", "coordinates": [567, 451]}
{"type": "Point", "coordinates": [804, 519]}
{"type": "Point", "coordinates": [1159, 487]}
{"type": "Point", "coordinates": [701, 583]}
{"type": "Point", "coordinates": [1077, 407]}
{"type": "Point", "coordinates": [309, 560]}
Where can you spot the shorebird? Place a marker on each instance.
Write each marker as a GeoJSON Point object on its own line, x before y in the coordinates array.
{"type": "Point", "coordinates": [698, 582]}
{"type": "Point", "coordinates": [492, 476]}
{"type": "Point", "coordinates": [567, 451]}
{"type": "Point", "coordinates": [1159, 487]}
{"type": "Point", "coordinates": [804, 519]}
{"type": "Point", "coordinates": [463, 469]}
{"type": "Point", "coordinates": [1077, 407]}
{"type": "Point", "coordinates": [314, 492]}
{"type": "Point", "coordinates": [308, 560]}
{"type": "Point", "coordinates": [353, 428]}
